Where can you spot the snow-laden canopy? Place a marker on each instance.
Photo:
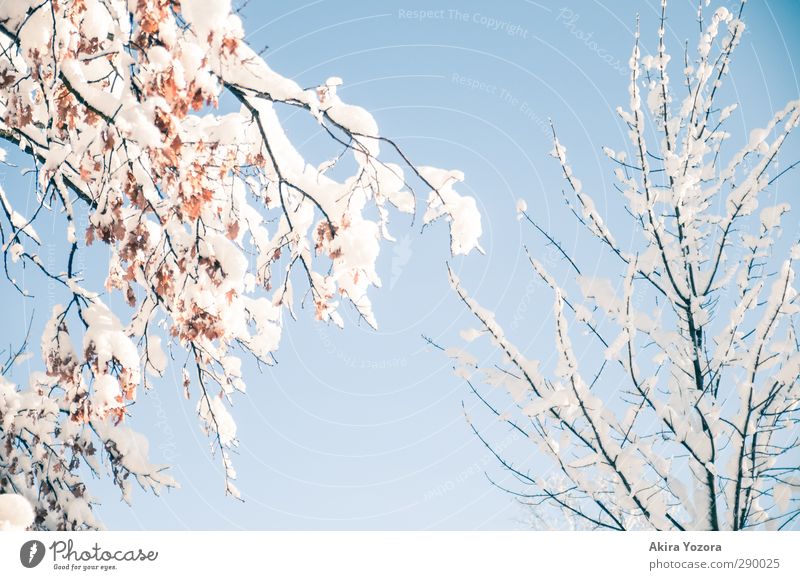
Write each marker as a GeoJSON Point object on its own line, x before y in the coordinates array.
{"type": "Point", "coordinates": [206, 216]}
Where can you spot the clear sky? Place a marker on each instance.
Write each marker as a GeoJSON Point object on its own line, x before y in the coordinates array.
{"type": "Point", "coordinates": [364, 429]}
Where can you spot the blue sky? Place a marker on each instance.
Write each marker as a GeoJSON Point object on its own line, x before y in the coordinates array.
{"type": "Point", "coordinates": [364, 429]}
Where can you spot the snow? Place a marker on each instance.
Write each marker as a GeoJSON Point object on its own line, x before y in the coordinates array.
{"type": "Point", "coordinates": [557, 398]}
{"type": "Point", "coordinates": [233, 490]}
{"type": "Point", "coordinates": [131, 451]}
{"type": "Point", "coordinates": [205, 15]}
{"type": "Point", "coordinates": [136, 122]}
{"type": "Point", "coordinates": [18, 220]}
{"type": "Point", "coordinates": [470, 334]}
{"type": "Point", "coordinates": [177, 222]}
{"type": "Point", "coordinates": [726, 111]}
{"type": "Point", "coordinates": [614, 348]}
{"type": "Point", "coordinates": [354, 118]}
{"type": "Point", "coordinates": [266, 316]}
{"type": "Point", "coordinates": [16, 250]}
{"type": "Point", "coordinates": [757, 137]}
{"type": "Point", "coordinates": [462, 356]}
{"type": "Point", "coordinates": [105, 335]}
{"type": "Point", "coordinates": [16, 512]}
{"type": "Point", "coordinates": [461, 211]}
{"type": "Point", "coordinates": [217, 419]}
{"type": "Point", "coordinates": [771, 216]}
{"type": "Point", "coordinates": [106, 392]}
{"type": "Point", "coordinates": [641, 312]}
{"type": "Point", "coordinates": [600, 290]}
{"type": "Point", "coordinates": [228, 296]}
{"type": "Point", "coordinates": [782, 495]}
{"type": "Point", "coordinates": [156, 356]}
{"type": "Point", "coordinates": [522, 207]}
{"type": "Point", "coordinates": [98, 99]}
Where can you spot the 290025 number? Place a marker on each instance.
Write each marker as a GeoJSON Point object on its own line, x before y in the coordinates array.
{"type": "Point", "coordinates": [758, 563]}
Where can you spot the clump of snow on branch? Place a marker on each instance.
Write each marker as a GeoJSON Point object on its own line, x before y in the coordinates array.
{"type": "Point", "coordinates": [16, 512]}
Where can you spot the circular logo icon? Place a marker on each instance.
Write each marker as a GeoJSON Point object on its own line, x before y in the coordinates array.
{"type": "Point", "coordinates": [31, 553]}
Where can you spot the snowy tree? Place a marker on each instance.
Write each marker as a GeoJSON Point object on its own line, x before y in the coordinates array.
{"type": "Point", "coordinates": [208, 217]}
{"type": "Point", "coordinates": [671, 401]}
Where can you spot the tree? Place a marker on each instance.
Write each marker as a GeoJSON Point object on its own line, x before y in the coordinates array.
{"type": "Point", "coordinates": [675, 405]}
{"type": "Point", "coordinates": [209, 218]}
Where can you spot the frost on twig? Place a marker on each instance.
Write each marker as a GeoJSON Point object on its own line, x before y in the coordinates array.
{"type": "Point", "coordinates": [684, 414]}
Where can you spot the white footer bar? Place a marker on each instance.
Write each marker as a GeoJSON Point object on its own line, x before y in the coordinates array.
{"type": "Point", "coordinates": [401, 555]}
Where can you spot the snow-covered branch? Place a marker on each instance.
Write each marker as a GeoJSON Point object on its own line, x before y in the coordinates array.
{"type": "Point", "coordinates": [217, 225]}
{"type": "Point", "coordinates": [675, 394]}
